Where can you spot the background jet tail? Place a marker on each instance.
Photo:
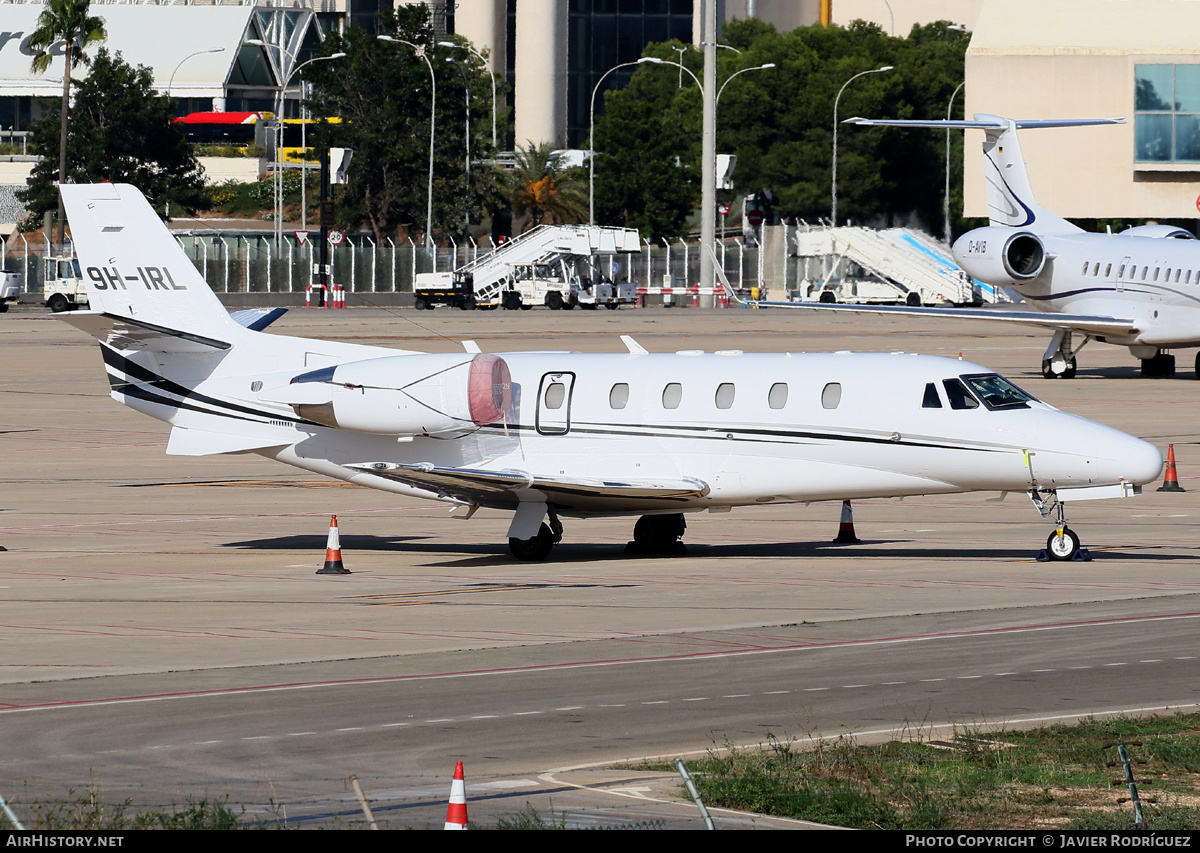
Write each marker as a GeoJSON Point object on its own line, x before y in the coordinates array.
{"type": "Point", "coordinates": [133, 267]}
{"type": "Point", "coordinates": [1010, 197]}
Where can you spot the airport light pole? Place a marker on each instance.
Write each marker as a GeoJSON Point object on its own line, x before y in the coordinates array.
{"type": "Point", "coordinates": [833, 206]}
{"type": "Point", "coordinates": [277, 176]}
{"type": "Point", "coordinates": [423, 53]}
{"type": "Point", "coordinates": [653, 60]}
{"type": "Point", "coordinates": [763, 67]}
{"type": "Point", "coordinates": [171, 82]}
{"type": "Point", "coordinates": [947, 208]}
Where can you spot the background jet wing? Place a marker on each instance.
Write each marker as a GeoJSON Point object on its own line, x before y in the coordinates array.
{"type": "Point", "coordinates": [508, 487]}
{"type": "Point", "coordinates": [1090, 324]}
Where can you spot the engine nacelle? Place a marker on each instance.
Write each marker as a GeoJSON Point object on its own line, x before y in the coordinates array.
{"type": "Point", "coordinates": [1165, 231]}
{"type": "Point", "coordinates": [405, 394]}
{"type": "Point", "coordinates": [1000, 255]}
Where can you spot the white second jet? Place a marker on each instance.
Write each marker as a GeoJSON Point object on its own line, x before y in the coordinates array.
{"type": "Point", "coordinates": [553, 435]}
{"type": "Point", "coordinates": [1138, 289]}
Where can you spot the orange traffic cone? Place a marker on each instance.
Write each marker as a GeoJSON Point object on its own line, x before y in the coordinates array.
{"type": "Point", "coordinates": [846, 527]}
{"type": "Point", "coordinates": [1171, 478]}
{"type": "Point", "coordinates": [333, 552]}
{"type": "Point", "coordinates": [456, 812]}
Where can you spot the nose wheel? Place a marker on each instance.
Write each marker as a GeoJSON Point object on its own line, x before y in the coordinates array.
{"type": "Point", "coordinates": [1063, 544]}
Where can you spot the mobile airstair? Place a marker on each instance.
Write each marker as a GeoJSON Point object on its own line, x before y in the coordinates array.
{"type": "Point", "coordinates": [851, 264]}
{"type": "Point", "coordinates": [545, 244]}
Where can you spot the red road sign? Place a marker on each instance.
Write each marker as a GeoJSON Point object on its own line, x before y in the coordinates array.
{"type": "Point", "coordinates": [336, 238]}
{"type": "Point", "coordinates": [301, 237]}
{"type": "Point", "coordinates": [754, 217]}
{"type": "Point", "coordinates": [723, 208]}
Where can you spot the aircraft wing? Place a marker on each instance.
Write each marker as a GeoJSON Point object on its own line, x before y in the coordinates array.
{"type": "Point", "coordinates": [1090, 324]}
{"type": "Point", "coordinates": [509, 487]}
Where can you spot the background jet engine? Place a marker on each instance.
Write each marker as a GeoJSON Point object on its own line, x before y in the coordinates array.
{"type": "Point", "coordinates": [989, 254]}
{"type": "Point", "coordinates": [404, 394]}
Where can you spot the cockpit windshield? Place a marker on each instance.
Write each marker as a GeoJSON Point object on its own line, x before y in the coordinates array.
{"type": "Point", "coordinates": [996, 392]}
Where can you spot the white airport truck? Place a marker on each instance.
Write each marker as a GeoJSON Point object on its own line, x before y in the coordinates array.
{"type": "Point", "coordinates": [10, 289]}
{"type": "Point", "coordinates": [64, 289]}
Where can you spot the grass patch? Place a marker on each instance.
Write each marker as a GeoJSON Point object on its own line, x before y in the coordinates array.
{"type": "Point", "coordinates": [86, 811]}
{"type": "Point", "coordinates": [1049, 777]}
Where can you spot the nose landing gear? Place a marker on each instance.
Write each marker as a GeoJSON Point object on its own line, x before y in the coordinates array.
{"type": "Point", "coordinates": [1064, 543]}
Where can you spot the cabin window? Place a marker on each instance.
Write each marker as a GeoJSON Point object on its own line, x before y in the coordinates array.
{"type": "Point", "coordinates": [1156, 273]}
{"type": "Point", "coordinates": [556, 393]}
{"type": "Point", "coordinates": [1145, 270]}
{"type": "Point", "coordinates": [1177, 273]}
{"type": "Point", "coordinates": [672, 394]}
{"type": "Point", "coordinates": [1188, 279]}
{"type": "Point", "coordinates": [1121, 272]}
{"type": "Point", "coordinates": [831, 395]}
{"type": "Point", "coordinates": [618, 397]}
{"type": "Point", "coordinates": [1107, 270]}
{"type": "Point", "coordinates": [725, 392]}
{"type": "Point", "coordinates": [777, 396]}
{"type": "Point", "coordinates": [1085, 266]}
{"type": "Point", "coordinates": [1096, 269]}
{"type": "Point", "coordinates": [958, 395]}
{"type": "Point", "coordinates": [932, 400]}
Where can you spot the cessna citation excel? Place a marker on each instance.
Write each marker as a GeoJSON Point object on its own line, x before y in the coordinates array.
{"type": "Point", "coordinates": [549, 435]}
{"type": "Point", "coordinates": [1139, 288]}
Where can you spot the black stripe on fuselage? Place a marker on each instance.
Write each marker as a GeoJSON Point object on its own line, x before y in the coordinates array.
{"type": "Point", "coordinates": [743, 434]}
{"type": "Point", "coordinates": [148, 377]}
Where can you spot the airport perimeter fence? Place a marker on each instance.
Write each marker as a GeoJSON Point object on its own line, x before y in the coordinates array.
{"type": "Point", "coordinates": [250, 263]}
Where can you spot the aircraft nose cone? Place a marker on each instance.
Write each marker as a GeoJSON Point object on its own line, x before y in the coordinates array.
{"type": "Point", "coordinates": [1144, 462]}
{"type": "Point", "coordinates": [1083, 452]}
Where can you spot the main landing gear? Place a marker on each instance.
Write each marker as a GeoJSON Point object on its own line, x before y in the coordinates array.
{"type": "Point", "coordinates": [658, 534]}
{"type": "Point", "coordinates": [653, 534]}
{"type": "Point", "coordinates": [1064, 543]}
{"type": "Point", "coordinates": [538, 547]}
{"type": "Point", "coordinates": [1059, 360]}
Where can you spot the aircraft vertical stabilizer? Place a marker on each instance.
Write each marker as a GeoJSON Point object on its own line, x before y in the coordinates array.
{"type": "Point", "coordinates": [134, 268]}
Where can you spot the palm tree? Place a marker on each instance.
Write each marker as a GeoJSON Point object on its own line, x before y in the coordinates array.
{"type": "Point", "coordinates": [67, 21]}
{"type": "Point", "coordinates": [545, 191]}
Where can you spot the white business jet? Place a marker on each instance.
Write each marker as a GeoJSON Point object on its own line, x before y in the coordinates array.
{"type": "Point", "coordinates": [559, 434]}
{"type": "Point", "coordinates": [1139, 288]}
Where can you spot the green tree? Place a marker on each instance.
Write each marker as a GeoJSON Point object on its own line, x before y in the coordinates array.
{"type": "Point", "coordinates": [382, 92]}
{"type": "Point", "coordinates": [545, 191]}
{"type": "Point", "coordinates": [779, 124]}
{"type": "Point", "coordinates": [67, 21]}
{"type": "Point", "coordinates": [122, 132]}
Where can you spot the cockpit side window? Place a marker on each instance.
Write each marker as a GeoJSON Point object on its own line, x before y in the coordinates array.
{"type": "Point", "coordinates": [932, 400]}
{"type": "Point", "coordinates": [958, 395]}
{"type": "Point", "coordinates": [997, 392]}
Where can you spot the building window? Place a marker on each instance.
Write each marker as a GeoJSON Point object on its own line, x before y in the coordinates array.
{"type": "Point", "coordinates": [1167, 114]}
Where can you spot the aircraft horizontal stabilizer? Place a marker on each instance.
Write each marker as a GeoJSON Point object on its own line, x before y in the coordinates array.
{"type": "Point", "coordinates": [477, 486]}
{"type": "Point", "coordinates": [125, 333]}
{"type": "Point", "coordinates": [981, 122]}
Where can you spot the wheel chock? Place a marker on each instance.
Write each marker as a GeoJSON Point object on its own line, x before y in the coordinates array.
{"type": "Point", "coordinates": [1042, 556]}
{"type": "Point", "coordinates": [1083, 555]}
